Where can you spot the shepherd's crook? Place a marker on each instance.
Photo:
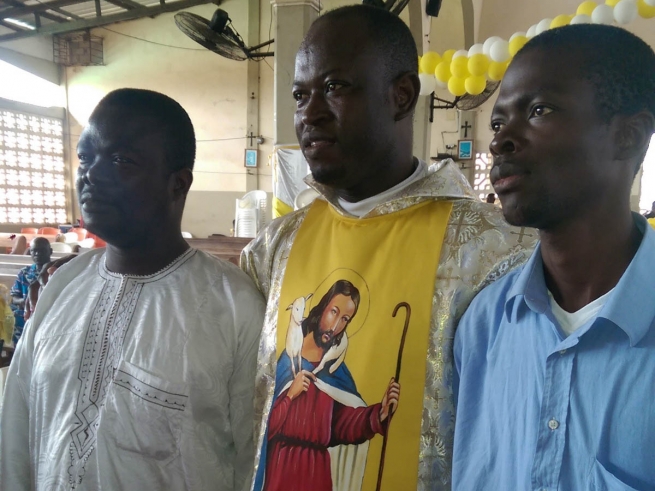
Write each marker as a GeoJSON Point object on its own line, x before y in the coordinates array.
{"type": "Point", "coordinates": [408, 310]}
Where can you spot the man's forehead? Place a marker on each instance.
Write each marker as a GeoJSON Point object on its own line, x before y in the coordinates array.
{"type": "Point", "coordinates": [119, 123]}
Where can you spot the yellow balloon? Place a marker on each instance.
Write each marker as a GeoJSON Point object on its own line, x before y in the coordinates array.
{"type": "Point", "coordinates": [448, 55]}
{"type": "Point", "coordinates": [459, 67]}
{"type": "Point", "coordinates": [611, 3]}
{"type": "Point", "coordinates": [497, 70]}
{"type": "Point", "coordinates": [586, 8]}
{"type": "Point", "coordinates": [478, 64]}
{"type": "Point", "coordinates": [516, 44]}
{"type": "Point", "coordinates": [475, 85]}
{"type": "Point", "coordinates": [645, 10]}
{"type": "Point", "coordinates": [442, 72]}
{"type": "Point", "coordinates": [429, 62]}
{"type": "Point", "coordinates": [456, 86]}
{"type": "Point", "coordinates": [560, 21]}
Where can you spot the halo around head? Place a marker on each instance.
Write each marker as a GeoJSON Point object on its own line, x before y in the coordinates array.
{"type": "Point", "coordinates": [356, 279]}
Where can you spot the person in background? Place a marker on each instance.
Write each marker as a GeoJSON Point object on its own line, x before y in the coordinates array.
{"type": "Point", "coordinates": [651, 213]}
{"type": "Point", "coordinates": [556, 361]}
{"type": "Point", "coordinates": [136, 370]}
{"type": "Point", "coordinates": [41, 252]}
{"type": "Point", "coordinates": [491, 198]}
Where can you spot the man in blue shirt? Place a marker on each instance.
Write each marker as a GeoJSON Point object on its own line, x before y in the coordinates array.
{"type": "Point", "coordinates": [40, 251]}
{"type": "Point", "coordinates": [556, 361]}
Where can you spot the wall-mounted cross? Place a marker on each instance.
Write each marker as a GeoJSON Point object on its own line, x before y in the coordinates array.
{"type": "Point", "coordinates": [466, 127]}
{"type": "Point", "coordinates": [251, 137]}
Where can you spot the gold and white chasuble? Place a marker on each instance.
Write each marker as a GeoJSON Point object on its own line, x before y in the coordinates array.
{"type": "Point", "coordinates": [396, 281]}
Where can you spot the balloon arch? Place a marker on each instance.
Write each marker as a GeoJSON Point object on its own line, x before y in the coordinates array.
{"type": "Point", "coordinates": [466, 72]}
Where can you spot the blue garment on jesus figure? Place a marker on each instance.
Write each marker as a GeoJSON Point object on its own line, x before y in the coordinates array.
{"type": "Point", "coordinates": [340, 379]}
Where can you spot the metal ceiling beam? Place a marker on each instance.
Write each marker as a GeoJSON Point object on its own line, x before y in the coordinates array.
{"type": "Point", "coordinates": [46, 15]}
{"type": "Point", "coordinates": [126, 4]}
{"type": "Point", "coordinates": [39, 7]}
{"type": "Point", "coordinates": [136, 13]}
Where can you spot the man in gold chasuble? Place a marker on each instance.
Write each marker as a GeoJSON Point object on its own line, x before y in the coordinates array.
{"type": "Point", "coordinates": [365, 286]}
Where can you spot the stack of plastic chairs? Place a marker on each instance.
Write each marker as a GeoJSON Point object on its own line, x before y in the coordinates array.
{"type": "Point", "coordinates": [251, 214]}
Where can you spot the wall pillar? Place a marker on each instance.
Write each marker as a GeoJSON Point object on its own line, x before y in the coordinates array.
{"type": "Point", "coordinates": [293, 20]}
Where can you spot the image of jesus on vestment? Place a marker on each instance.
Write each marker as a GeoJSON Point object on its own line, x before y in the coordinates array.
{"type": "Point", "coordinates": [319, 425]}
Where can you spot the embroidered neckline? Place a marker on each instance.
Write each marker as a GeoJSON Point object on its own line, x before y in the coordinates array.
{"type": "Point", "coordinates": [178, 260]}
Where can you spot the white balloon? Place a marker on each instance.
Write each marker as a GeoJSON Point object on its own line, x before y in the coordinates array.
{"type": "Point", "coordinates": [517, 34]}
{"type": "Point", "coordinates": [581, 19]}
{"type": "Point", "coordinates": [428, 83]}
{"type": "Point", "coordinates": [500, 51]}
{"type": "Point", "coordinates": [543, 25]}
{"type": "Point", "coordinates": [460, 53]}
{"type": "Point", "coordinates": [476, 49]}
{"type": "Point", "coordinates": [441, 85]}
{"type": "Point", "coordinates": [532, 32]}
{"type": "Point", "coordinates": [625, 11]}
{"type": "Point", "coordinates": [650, 2]}
{"type": "Point", "coordinates": [486, 47]}
{"type": "Point", "coordinates": [603, 14]}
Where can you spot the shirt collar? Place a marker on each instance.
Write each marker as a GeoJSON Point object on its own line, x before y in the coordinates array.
{"type": "Point", "coordinates": [443, 181]}
{"type": "Point", "coordinates": [630, 306]}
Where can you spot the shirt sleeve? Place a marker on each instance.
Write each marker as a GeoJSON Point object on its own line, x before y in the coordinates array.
{"type": "Point", "coordinates": [17, 289]}
{"type": "Point", "coordinates": [15, 465]}
{"type": "Point", "coordinates": [250, 306]}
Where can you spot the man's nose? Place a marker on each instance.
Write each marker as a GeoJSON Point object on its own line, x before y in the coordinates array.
{"type": "Point", "coordinates": [315, 110]}
{"type": "Point", "coordinates": [506, 141]}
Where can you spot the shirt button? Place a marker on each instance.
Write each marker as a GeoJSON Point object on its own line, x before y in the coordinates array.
{"type": "Point", "coordinates": [562, 352]}
{"type": "Point", "coordinates": [553, 424]}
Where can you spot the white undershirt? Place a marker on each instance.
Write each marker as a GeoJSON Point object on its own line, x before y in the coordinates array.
{"type": "Point", "coordinates": [361, 208]}
{"type": "Point", "coordinates": [570, 321]}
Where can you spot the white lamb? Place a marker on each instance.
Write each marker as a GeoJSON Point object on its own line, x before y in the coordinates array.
{"type": "Point", "coordinates": [294, 334]}
{"type": "Point", "coordinates": [334, 353]}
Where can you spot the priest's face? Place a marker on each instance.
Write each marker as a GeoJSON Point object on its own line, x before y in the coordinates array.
{"type": "Point", "coordinates": [334, 320]}
{"type": "Point", "coordinates": [123, 181]}
{"type": "Point", "coordinates": [344, 119]}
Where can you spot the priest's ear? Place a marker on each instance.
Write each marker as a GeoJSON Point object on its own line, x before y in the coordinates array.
{"type": "Point", "coordinates": [181, 181]}
{"type": "Point", "coordinates": [405, 94]}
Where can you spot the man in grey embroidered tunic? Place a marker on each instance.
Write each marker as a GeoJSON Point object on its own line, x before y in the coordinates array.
{"type": "Point", "coordinates": [136, 370]}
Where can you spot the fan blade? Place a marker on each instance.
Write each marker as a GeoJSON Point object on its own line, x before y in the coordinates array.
{"type": "Point", "coordinates": [468, 102]}
{"type": "Point", "coordinates": [197, 28]}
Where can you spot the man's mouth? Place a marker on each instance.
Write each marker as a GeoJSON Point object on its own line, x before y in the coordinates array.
{"type": "Point", "coordinates": [506, 177]}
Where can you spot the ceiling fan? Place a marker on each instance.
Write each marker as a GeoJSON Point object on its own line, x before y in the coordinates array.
{"type": "Point", "coordinates": [218, 35]}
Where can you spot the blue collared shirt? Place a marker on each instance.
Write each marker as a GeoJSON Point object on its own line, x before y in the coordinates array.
{"type": "Point", "coordinates": [540, 411]}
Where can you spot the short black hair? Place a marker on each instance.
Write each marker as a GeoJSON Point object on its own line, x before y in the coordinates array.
{"type": "Point", "coordinates": [389, 34]}
{"type": "Point", "coordinates": [179, 137]}
{"type": "Point", "coordinates": [620, 65]}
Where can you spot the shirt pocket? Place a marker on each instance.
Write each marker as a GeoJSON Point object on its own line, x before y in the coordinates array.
{"type": "Point", "coordinates": [144, 414]}
{"type": "Point", "coordinates": [603, 480]}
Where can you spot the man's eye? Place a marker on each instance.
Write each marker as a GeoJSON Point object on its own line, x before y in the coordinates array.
{"type": "Point", "coordinates": [117, 159]}
{"type": "Point", "coordinates": [298, 96]}
{"type": "Point", "coordinates": [83, 158]}
{"type": "Point", "coordinates": [540, 111]}
{"type": "Point", "coordinates": [331, 86]}
{"type": "Point", "coordinates": [495, 126]}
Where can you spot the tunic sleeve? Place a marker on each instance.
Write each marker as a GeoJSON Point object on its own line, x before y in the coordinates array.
{"type": "Point", "coordinates": [355, 425]}
{"type": "Point", "coordinates": [15, 466]}
{"type": "Point", "coordinates": [242, 384]}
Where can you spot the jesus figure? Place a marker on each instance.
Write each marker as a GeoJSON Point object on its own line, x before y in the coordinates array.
{"type": "Point", "coordinates": [313, 412]}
